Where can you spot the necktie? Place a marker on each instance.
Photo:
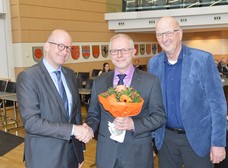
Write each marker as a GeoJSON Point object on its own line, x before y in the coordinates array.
{"type": "Point", "coordinates": [121, 77]}
{"type": "Point", "coordinates": [62, 91]}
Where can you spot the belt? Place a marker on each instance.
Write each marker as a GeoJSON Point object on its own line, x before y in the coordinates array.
{"type": "Point", "coordinates": [177, 130]}
{"type": "Point", "coordinates": [71, 139]}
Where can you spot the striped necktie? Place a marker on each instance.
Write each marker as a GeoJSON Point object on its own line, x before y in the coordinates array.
{"type": "Point", "coordinates": [62, 92]}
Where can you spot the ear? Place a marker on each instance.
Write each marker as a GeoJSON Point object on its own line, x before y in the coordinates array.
{"type": "Point", "coordinates": [46, 46]}
{"type": "Point", "coordinates": [134, 51]}
{"type": "Point", "coordinates": [181, 34]}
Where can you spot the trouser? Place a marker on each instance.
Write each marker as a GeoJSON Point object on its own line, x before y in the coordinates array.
{"type": "Point", "coordinates": [176, 151]}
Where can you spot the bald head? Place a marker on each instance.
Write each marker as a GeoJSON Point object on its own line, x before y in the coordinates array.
{"type": "Point", "coordinates": [167, 22]}
{"type": "Point", "coordinates": [169, 36]}
{"type": "Point", "coordinates": [58, 34]}
{"type": "Point", "coordinates": [57, 48]}
{"type": "Point", "coordinates": [124, 36]}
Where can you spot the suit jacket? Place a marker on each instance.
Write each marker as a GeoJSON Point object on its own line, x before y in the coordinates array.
{"type": "Point", "coordinates": [136, 150]}
{"type": "Point", "coordinates": [202, 100]}
{"type": "Point", "coordinates": [48, 132]}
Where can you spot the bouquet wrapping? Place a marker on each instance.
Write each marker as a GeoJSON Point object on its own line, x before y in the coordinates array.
{"type": "Point", "coordinates": [121, 101]}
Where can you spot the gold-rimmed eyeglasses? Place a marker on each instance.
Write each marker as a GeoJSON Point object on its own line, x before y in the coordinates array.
{"type": "Point", "coordinates": [122, 51]}
{"type": "Point", "coordinates": [62, 47]}
{"type": "Point", "coordinates": [167, 34]}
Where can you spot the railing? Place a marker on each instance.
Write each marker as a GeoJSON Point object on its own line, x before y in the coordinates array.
{"type": "Point", "coordinates": [143, 5]}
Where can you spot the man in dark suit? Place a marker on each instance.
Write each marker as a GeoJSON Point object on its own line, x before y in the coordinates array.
{"type": "Point", "coordinates": [49, 105]}
{"type": "Point", "coordinates": [222, 67]}
{"type": "Point", "coordinates": [195, 131]}
{"type": "Point", "coordinates": [136, 149]}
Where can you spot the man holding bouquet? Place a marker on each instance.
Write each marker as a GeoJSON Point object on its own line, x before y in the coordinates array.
{"type": "Point", "coordinates": [124, 138]}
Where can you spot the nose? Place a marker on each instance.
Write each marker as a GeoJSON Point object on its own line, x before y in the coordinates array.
{"type": "Point", "coordinates": [164, 38]}
{"type": "Point", "coordinates": [119, 53]}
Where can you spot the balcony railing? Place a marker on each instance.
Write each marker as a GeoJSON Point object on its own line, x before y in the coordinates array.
{"type": "Point", "coordinates": [143, 5]}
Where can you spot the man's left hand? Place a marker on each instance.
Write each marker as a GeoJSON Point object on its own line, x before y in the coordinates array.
{"type": "Point", "coordinates": [217, 154]}
{"type": "Point", "coordinates": [124, 123]}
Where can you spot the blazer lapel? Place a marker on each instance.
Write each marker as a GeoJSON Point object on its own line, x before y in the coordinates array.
{"type": "Point", "coordinates": [185, 74]}
{"type": "Point", "coordinates": [71, 88]}
{"type": "Point", "coordinates": [110, 79]}
{"type": "Point", "coordinates": [50, 87]}
{"type": "Point", "coordinates": [136, 79]}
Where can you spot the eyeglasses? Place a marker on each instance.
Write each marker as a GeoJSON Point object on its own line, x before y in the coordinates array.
{"type": "Point", "coordinates": [62, 47]}
{"type": "Point", "coordinates": [167, 34]}
{"type": "Point", "coordinates": [122, 50]}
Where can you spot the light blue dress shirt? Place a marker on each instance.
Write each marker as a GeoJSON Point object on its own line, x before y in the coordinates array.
{"type": "Point", "coordinates": [51, 71]}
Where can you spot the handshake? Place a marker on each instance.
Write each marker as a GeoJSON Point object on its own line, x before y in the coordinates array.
{"type": "Point", "coordinates": [83, 132]}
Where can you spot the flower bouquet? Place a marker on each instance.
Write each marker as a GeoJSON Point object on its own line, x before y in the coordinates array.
{"type": "Point", "coordinates": [121, 101]}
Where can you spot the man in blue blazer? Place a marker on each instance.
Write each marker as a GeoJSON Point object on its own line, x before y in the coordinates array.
{"type": "Point", "coordinates": [195, 131]}
{"type": "Point", "coordinates": [135, 151]}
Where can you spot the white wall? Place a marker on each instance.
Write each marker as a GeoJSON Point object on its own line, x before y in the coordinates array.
{"type": "Point", "coordinates": [6, 54]}
{"type": "Point", "coordinates": [214, 46]}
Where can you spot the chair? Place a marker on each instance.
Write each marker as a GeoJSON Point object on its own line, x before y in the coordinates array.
{"type": "Point", "coordinates": [83, 75]}
{"type": "Point", "coordinates": [95, 72]}
{"type": "Point", "coordinates": [11, 88]}
{"type": "Point", "coordinates": [3, 84]}
{"type": "Point", "coordinates": [80, 83]}
{"type": "Point", "coordinates": [89, 85]}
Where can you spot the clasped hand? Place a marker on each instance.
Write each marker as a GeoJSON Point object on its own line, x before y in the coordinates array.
{"type": "Point", "coordinates": [83, 133]}
{"type": "Point", "coordinates": [124, 123]}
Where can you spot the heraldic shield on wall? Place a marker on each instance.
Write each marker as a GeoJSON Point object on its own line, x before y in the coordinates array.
{"type": "Point", "coordinates": [37, 53]}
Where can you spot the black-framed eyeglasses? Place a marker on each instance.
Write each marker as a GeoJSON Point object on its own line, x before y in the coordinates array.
{"type": "Point", "coordinates": [62, 47]}
{"type": "Point", "coordinates": [122, 51]}
{"type": "Point", "coordinates": [167, 34]}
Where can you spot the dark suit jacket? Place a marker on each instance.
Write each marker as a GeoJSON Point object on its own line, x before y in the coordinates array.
{"type": "Point", "coordinates": [202, 100]}
{"type": "Point", "coordinates": [48, 131]}
{"type": "Point", "coordinates": [136, 150]}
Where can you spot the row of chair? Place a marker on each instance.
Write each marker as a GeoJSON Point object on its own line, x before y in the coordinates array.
{"type": "Point", "coordinates": [7, 86]}
{"type": "Point", "coordinates": [86, 82]}
{"type": "Point", "coordinates": [5, 120]}
{"type": "Point", "coordinates": [86, 75]}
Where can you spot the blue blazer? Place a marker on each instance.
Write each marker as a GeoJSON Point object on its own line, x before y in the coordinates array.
{"type": "Point", "coordinates": [202, 101]}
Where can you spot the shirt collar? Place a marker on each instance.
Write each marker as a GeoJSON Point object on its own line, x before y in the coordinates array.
{"type": "Point", "coordinates": [49, 68]}
{"type": "Point", "coordinates": [180, 57]}
{"type": "Point", "coordinates": [129, 72]}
